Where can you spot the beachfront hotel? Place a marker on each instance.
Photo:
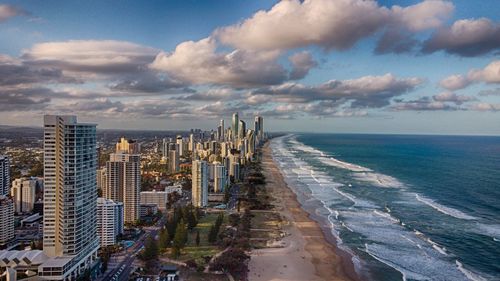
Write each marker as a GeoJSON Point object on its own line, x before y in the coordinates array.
{"type": "Point", "coordinates": [70, 198]}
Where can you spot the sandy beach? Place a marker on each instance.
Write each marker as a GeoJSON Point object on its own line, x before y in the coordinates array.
{"type": "Point", "coordinates": [306, 254]}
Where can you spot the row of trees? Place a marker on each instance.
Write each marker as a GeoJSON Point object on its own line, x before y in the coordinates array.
{"type": "Point", "coordinates": [215, 228]}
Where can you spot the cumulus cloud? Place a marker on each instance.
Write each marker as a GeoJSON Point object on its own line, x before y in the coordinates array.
{"type": "Point", "coordinates": [455, 82]}
{"type": "Point", "coordinates": [301, 62]}
{"type": "Point", "coordinates": [483, 106]}
{"type": "Point", "coordinates": [467, 37]}
{"type": "Point", "coordinates": [199, 62]}
{"type": "Point", "coordinates": [147, 108]}
{"type": "Point", "coordinates": [25, 99]}
{"type": "Point", "coordinates": [217, 94]}
{"type": "Point", "coordinates": [336, 24]}
{"type": "Point", "coordinates": [147, 83]}
{"type": "Point", "coordinates": [452, 97]}
{"type": "Point", "coordinates": [367, 91]}
{"type": "Point", "coordinates": [490, 74]}
{"type": "Point", "coordinates": [423, 104]}
{"type": "Point", "coordinates": [490, 92]}
{"type": "Point", "coordinates": [9, 11]}
{"type": "Point", "coordinates": [15, 72]}
{"type": "Point", "coordinates": [91, 56]}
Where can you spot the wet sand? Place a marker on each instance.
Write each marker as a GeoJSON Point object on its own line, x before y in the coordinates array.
{"type": "Point", "coordinates": [307, 255]}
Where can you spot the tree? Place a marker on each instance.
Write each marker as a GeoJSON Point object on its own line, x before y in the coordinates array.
{"type": "Point", "coordinates": [164, 239]}
{"type": "Point", "coordinates": [180, 238]}
{"type": "Point", "coordinates": [150, 251]}
{"type": "Point", "coordinates": [197, 238]}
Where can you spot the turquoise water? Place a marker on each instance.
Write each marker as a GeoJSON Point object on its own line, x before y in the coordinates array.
{"type": "Point", "coordinates": [405, 207]}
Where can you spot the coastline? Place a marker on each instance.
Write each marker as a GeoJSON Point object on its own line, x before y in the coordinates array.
{"type": "Point", "coordinates": [308, 253]}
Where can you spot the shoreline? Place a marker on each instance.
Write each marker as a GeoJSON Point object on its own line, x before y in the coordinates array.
{"type": "Point", "coordinates": [309, 253]}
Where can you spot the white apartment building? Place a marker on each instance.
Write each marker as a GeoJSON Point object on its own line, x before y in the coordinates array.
{"type": "Point", "coordinates": [70, 198]}
{"type": "Point", "coordinates": [23, 193]}
{"type": "Point", "coordinates": [109, 221]}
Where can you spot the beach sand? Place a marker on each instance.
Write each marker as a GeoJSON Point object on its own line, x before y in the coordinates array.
{"type": "Point", "coordinates": [307, 255]}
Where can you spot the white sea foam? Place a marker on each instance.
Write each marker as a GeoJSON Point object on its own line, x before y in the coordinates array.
{"type": "Point", "coordinates": [343, 165]}
{"type": "Point", "coordinates": [470, 275]}
{"type": "Point", "coordinates": [443, 209]}
{"type": "Point", "coordinates": [492, 230]}
{"type": "Point", "coordinates": [377, 179]}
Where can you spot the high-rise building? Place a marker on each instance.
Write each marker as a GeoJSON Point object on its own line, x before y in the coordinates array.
{"type": "Point", "coordinates": [4, 175]}
{"type": "Point", "coordinates": [242, 130]}
{"type": "Point", "coordinates": [23, 193]}
{"type": "Point", "coordinates": [6, 219]}
{"type": "Point", "coordinates": [220, 177]}
{"type": "Point", "coordinates": [102, 182]}
{"type": "Point", "coordinates": [234, 128]}
{"type": "Point", "coordinates": [199, 183]}
{"type": "Point", "coordinates": [173, 161]}
{"type": "Point", "coordinates": [191, 143]}
{"type": "Point", "coordinates": [259, 128]}
{"type": "Point", "coordinates": [180, 146]}
{"type": "Point", "coordinates": [124, 183]}
{"type": "Point", "coordinates": [109, 221]}
{"type": "Point", "coordinates": [70, 198]}
{"type": "Point", "coordinates": [128, 146]}
{"type": "Point", "coordinates": [234, 171]}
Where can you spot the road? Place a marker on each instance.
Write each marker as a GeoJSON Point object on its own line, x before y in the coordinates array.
{"type": "Point", "coordinates": [124, 269]}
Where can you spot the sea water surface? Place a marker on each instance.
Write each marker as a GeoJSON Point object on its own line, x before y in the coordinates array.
{"type": "Point", "coordinates": [405, 207]}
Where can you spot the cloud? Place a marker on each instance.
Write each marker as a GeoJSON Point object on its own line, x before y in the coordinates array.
{"type": "Point", "coordinates": [15, 72]}
{"type": "Point", "coordinates": [25, 99]}
{"type": "Point", "coordinates": [91, 56]}
{"type": "Point", "coordinates": [218, 94]}
{"type": "Point", "coordinates": [423, 104]}
{"type": "Point", "coordinates": [364, 92]}
{"type": "Point", "coordinates": [467, 37]}
{"type": "Point", "coordinates": [483, 106]}
{"type": "Point", "coordinates": [148, 108]}
{"type": "Point", "coordinates": [199, 62]}
{"type": "Point", "coordinates": [455, 82]}
{"type": "Point", "coordinates": [328, 24]}
{"type": "Point", "coordinates": [452, 97]}
{"type": "Point", "coordinates": [9, 11]}
{"type": "Point", "coordinates": [301, 62]}
{"type": "Point", "coordinates": [490, 92]}
{"type": "Point", "coordinates": [147, 83]}
{"type": "Point", "coordinates": [490, 74]}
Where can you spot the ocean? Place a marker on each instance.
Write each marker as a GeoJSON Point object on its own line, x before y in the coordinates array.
{"type": "Point", "coordinates": [403, 207]}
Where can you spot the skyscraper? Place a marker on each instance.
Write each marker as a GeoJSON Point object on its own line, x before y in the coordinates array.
{"type": "Point", "coordinates": [70, 197]}
{"type": "Point", "coordinates": [199, 183]}
{"type": "Point", "coordinates": [173, 161]}
{"type": "Point", "coordinates": [220, 177]}
{"type": "Point", "coordinates": [242, 130]}
{"type": "Point", "coordinates": [259, 128]}
{"type": "Point", "coordinates": [234, 128]}
{"type": "Point", "coordinates": [6, 219]}
{"type": "Point", "coordinates": [23, 193]}
{"type": "Point", "coordinates": [180, 146]}
{"type": "Point", "coordinates": [124, 183]}
{"type": "Point", "coordinates": [128, 146]}
{"type": "Point", "coordinates": [4, 175]}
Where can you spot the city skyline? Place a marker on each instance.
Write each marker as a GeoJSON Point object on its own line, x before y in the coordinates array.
{"type": "Point", "coordinates": [424, 67]}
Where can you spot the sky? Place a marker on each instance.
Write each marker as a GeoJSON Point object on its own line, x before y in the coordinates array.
{"type": "Point", "coordinates": [345, 66]}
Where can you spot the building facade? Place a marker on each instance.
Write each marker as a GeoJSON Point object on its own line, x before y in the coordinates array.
{"type": "Point", "coordinates": [6, 219]}
{"type": "Point", "coordinates": [109, 221]}
{"type": "Point", "coordinates": [4, 175]}
{"type": "Point", "coordinates": [23, 193]}
{"type": "Point", "coordinates": [199, 186]}
{"type": "Point", "coordinates": [124, 183]}
{"type": "Point", "coordinates": [70, 198]}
